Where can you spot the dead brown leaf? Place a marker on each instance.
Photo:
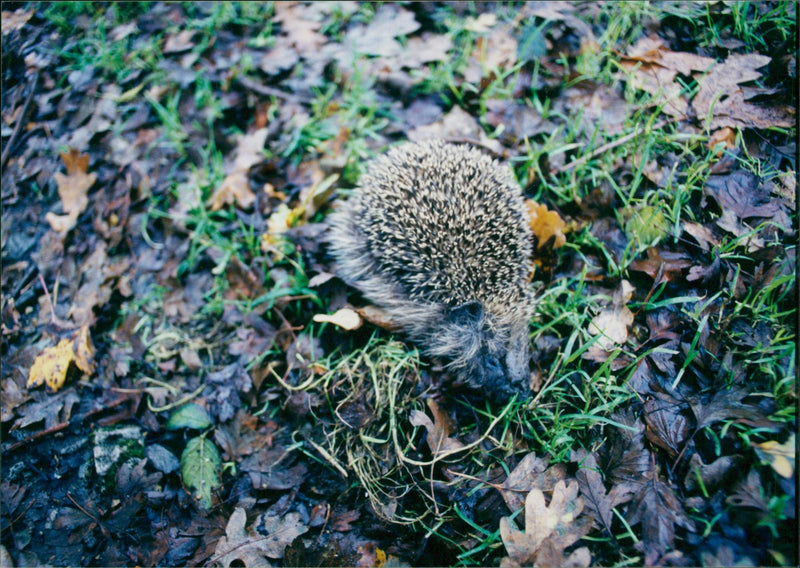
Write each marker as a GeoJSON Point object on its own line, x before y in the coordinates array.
{"type": "Point", "coordinates": [723, 101]}
{"type": "Point", "coordinates": [439, 429]}
{"type": "Point", "coordinates": [654, 69]}
{"type": "Point", "coordinates": [548, 530]}
{"type": "Point", "coordinates": [73, 189]}
{"type": "Point", "coordinates": [532, 472]}
{"type": "Point", "coordinates": [14, 20]}
{"type": "Point", "coordinates": [345, 318]}
{"type": "Point", "coordinates": [612, 323]}
{"type": "Point", "coordinates": [179, 42]}
{"type": "Point", "coordinates": [659, 511]}
{"type": "Point", "coordinates": [235, 188]}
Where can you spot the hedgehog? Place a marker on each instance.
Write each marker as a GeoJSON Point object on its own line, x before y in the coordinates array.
{"type": "Point", "coordinates": [438, 235]}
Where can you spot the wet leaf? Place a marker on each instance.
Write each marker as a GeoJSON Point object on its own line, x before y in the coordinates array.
{"type": "Point", "coordinates": [51, 366]}
{"type": "Point", "coordinates": [598, 502]}
{"type": "Point", "coordinates": [658, 509]}
{"type": "Point", "coordinates": [200, 469]}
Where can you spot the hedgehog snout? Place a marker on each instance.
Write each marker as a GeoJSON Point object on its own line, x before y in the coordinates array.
{"type": "Point", "coordinates": [494, 361]}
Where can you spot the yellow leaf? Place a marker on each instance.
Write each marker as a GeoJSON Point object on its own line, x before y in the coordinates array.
{"type": "Point", "coordinates": [546, 224]}
{"type": "Point", "coordinates": [780, 456]}
{"type": "Point", "coordinates": [51, 366]}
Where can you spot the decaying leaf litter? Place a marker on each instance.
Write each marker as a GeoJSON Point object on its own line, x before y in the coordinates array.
{"type": "Point", "coordinates": [184, 381]}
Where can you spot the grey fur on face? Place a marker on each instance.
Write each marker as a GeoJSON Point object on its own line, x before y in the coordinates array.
{"type": "Point", "coordinates": [438, 235]}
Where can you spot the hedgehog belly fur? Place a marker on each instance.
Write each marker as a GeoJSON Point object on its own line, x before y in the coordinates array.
{"type": "Point", "coordinates": [431, 227]}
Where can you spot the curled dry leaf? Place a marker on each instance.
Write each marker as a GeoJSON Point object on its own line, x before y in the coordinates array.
{"type": "Point", "coordinates": [345, 318]}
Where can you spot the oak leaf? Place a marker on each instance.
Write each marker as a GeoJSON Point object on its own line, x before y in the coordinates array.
{"type": "Point", "coordinates": [548, 530]}
{"type": "Point", "coordinates": [73, 190]}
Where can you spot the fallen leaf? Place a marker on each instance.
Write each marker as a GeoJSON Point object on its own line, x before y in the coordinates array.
{"type": "Point", "coordinates": [780, 456]}
{"type": "Point", "coordinates": [14, 20]}
{"type": "Point", "coordinates": [654, 69]}
{"type": "Point", "coordinates": [52, 364]}
{"type": "Point", "coordinates": [612, 323]}
{"type": "Point", "coordinates": [532, 472]}
{"type": "Point", "coordinates": [200, 469]}
{"type": "Point", "coordinates": [722, 100]}
{"type": "Point", "coordinates": [711, 475]}
{"type": "Point", "coordinates": [548, 530]}
{"type": "Point", "coordinates": [73, 190]}
{"type": "Point", "coordinates": [598, 502]}
{"type": "Point", "coordinates": [235, 188]}
{"type": "Point", "coordinates": [300, 29]}
{"type": "Point", "coordinates": [658, 510]}
{"type": "Point", "coordinates": [663, 264]}
{"type": "Point", "coordinates": [179, 42]}
{"type": "Point", "coordinates": [439, 429]}
{"type": "Point", "coordinates": [546, 224]}
{"type": "Point", "coordinates": [280, 531]}
{"type": "Point", "coordinates": [345, 318]}
{"type": "Point", "coordinates": [238, 547]}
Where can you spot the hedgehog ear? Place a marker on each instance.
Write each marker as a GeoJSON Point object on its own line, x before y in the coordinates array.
{"type": "Point", "coordinates": [468, 313]}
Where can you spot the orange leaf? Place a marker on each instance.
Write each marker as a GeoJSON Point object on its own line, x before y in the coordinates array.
{"type": "Point", "coordinates": [546, 224]}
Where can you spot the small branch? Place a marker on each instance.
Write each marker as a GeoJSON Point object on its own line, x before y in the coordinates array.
{"type": "Point", "coordinates": [606, 147]}
{"type": "Point", "coordinates": [268, 91]}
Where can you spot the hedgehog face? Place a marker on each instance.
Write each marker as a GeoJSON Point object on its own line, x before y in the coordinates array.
{"type": "Point", "coordinates": [492, 359]}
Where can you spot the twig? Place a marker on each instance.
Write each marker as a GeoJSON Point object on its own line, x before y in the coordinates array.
{"type": "Point", "coordinates": [268, 91]}
{"type": "Point", "coordinates": [63, 425]}
{"type": "Point", "coordinates": [606, 147]}
{"type": "Point", "coordinates": [20, 121]}
{"type": "Point", "coordinates": [53, 317]}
